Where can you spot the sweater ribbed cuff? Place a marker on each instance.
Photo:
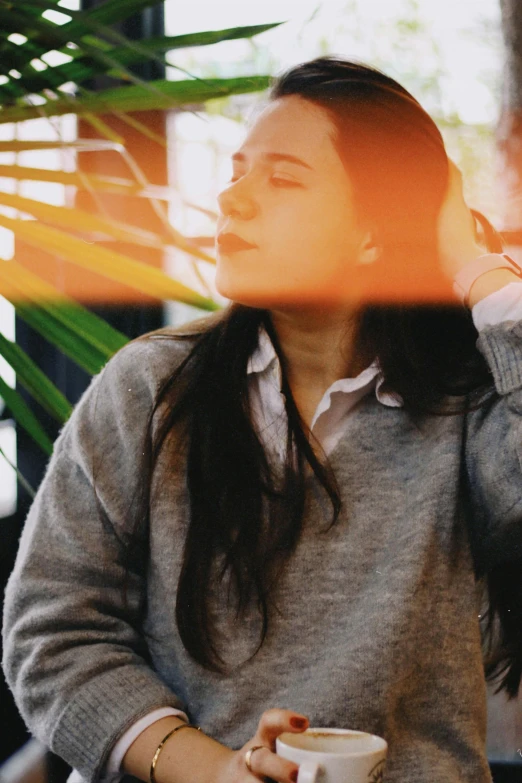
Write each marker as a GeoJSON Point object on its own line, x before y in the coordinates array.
{"type": "Point", "coordinates": [501, 346]}
{"type": "Point", "coordinates": [102, 710]}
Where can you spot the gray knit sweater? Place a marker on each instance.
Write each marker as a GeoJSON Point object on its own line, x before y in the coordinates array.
{"type": "Point", "coordinates": [378, 629]}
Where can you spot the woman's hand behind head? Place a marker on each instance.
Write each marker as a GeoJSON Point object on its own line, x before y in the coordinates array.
{"type": "Point", "coordinates": [456, 227]}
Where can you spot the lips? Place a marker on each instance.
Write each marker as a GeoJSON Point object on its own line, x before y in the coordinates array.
{"type": "Point", "coordinates": [231, 242]}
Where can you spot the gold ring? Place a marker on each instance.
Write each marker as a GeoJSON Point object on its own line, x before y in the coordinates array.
{"type": "Point", "coordinates": [248, 756]}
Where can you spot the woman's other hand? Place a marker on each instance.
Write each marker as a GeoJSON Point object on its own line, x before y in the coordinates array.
{"type": "Point", "coordinates": [264, 762]}
{"type": "Point", "coordinates": [458, 244]}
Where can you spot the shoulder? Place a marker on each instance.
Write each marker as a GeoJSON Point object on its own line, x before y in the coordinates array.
{"type": "Point", "coordinates": [154, 356]}
{"type": "Point", "coordinates": [148, 361]}
{"type": "Point", "coordinates": [118, 401]}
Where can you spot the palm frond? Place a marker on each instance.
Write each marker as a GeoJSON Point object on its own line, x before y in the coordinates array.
{"type": "Point", "coordinates": [90, 182]}
{"type": "Point", "coordinates": [35, 381]}
{"type": "Point", "coordinates": [159, 94]}
{"type": "Point", "coordinates": [85, 65]}
{"type": "Point", "coordinates": [22, 413]}
{"type": "Point", "coordinates": [84, 337]}
{"type": "Point", "coordinates": [100, 228]}
{"type": "Point", "coordinates": [32, 88]}
{"type": "Point", "coordinates": [109, 263]}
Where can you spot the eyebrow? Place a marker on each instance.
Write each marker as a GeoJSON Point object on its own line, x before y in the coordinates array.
{"type": "Point", "coordinates": [275, 156]}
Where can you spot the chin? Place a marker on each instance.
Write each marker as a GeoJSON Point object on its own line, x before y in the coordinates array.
{"type": "Point", "coordinates": [247, 298]}
{"type": "Point", "coordinates": [236, 293]}
{"type": "Point", "coordinates": [251, 295]}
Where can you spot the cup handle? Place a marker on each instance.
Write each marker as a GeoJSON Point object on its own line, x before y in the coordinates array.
{"type": "Point", "coordinates": [308, 772]}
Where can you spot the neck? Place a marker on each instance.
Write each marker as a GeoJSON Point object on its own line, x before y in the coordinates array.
{"type": "Point", "coordinates": [318, 347]}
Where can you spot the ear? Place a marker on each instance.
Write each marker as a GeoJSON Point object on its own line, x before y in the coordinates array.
{"type": "Point", "coordinates": [369, 250]}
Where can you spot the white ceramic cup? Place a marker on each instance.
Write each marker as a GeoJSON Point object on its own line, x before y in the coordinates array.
{"type": "Point", "coordinates": [334, 755]}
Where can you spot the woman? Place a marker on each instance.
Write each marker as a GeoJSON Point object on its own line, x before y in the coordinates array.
{"type": "Point", "coordinates": [177, 564]}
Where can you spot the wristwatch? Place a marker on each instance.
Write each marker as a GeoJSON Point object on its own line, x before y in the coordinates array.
{"type": "Point", "coordinates": [465, 278]}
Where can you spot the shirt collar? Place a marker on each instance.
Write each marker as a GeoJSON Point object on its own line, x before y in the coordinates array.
{"type": "Point", "coordinates": [265, 357]}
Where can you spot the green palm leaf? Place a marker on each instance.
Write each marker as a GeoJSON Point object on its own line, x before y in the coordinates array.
{"type": "Point", "coordinates": [91, 182]}
{"type": "Point", "coordinates": [42, 33]}
{"type": "Point", "coordinates": [35, 381]}
{"type": "Point", "coordinates": [110, 12]}
{"type": "Point", "coordinates": [84, 337]}
{"type": "Point", "coordinates": [99, 52]}
{"type": "Point", "coordinates": [98, 49]}
{"type": "Point", "coordinates": [49, 320]}
{"type": "Point", "coordinates": [81, 145]}
{"type": "Point", "coordinates": [81, 221]}
{"type": "Point", "coordinates": [84, 65]}
{"type": "Point", "coordinates": [162, 94]}
{"type": "Point", "coordinates": [24, 416]}
{"type": "Point", "coordinates": [109, 263]}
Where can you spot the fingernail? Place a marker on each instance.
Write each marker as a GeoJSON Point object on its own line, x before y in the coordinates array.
{"type": "Point", "coordinates": [298, 723]}
{"type": "Point", "coordinates": [293, 775]}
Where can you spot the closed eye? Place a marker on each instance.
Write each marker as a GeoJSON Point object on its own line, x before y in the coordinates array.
{"type": "Point", "coordinates": [277, 182]}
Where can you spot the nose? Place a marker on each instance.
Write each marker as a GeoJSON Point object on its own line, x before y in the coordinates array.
{"type": "Point", "coordinates": [236, 201]}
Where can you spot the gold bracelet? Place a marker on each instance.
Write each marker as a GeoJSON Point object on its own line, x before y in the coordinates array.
{"type": "Point", "coordinates": [163, 741]}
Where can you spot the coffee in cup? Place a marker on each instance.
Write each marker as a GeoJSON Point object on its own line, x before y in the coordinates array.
{"type": "Point", "coordinates": [334, 755]}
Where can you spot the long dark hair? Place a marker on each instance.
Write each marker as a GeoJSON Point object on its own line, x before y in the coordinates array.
{"type": "Point", "coordinates": [395, 158]}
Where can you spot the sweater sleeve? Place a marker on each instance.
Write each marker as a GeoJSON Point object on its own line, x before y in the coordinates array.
{"type": "Point", "coordinates": [502, 305]}
{"type": "Point", "coordinates": [494, 449]}
{"type": "Point", "coordinates": [113, 772]}
{"type": "Point", "coordinates": [74, 657]}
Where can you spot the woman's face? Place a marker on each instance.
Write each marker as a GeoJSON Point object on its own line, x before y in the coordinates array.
{"type": "Point", "coordinates": [289, 196]}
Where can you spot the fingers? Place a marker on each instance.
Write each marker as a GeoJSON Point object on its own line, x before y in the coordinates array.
{"type": "Point", "coordinates": [265, 764]}
{"type": "Point", "coordinates": [276, 721]}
